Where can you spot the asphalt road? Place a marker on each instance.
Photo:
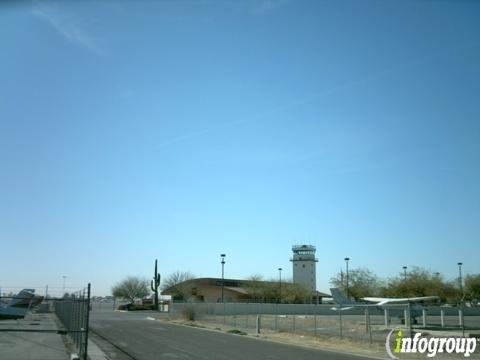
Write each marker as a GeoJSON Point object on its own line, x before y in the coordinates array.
{"type": "Point", "coordinates": [147, 339]}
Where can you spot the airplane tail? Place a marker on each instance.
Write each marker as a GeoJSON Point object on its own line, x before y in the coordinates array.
{"type": "Point", "coordinates": [340, 298]}
{"type": "Point", "coordinates": [23, 299]}
{"type": "Point", "coordinates": [37, 299]}
{"type": "Point", "coordinates": [20, 304]}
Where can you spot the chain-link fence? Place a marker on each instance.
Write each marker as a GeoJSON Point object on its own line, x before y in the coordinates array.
{"type": "Point", "coordinates": [73, 313]}
{"type": "Point", "coordinates": [366, 323]}
{"type": "Point", "coordinates": [107, 304]}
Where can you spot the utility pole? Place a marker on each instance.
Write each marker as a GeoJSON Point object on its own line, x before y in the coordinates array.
{"type": "Point", "coordinates": [223, 280]}
{"type": "Point", "coordinates": [280, 284]}
{"type": "Point", "coordinates": [347, 259]}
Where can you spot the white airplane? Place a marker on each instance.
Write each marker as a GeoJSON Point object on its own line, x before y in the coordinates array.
{"type": "Point", "coordinates": [415, 308]}
{"type": "Point", "coordinates": [20, 304]}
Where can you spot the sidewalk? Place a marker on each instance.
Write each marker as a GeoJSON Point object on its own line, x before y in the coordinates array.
{"type": "Point", "coordinates": [94, 352]}
{"type": "Point", "coordinates": [32, 338]}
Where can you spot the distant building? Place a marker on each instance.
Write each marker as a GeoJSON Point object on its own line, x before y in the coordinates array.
{"type": "Point", "coordinates": [210, 289]}
{"type": "Point", "coordinates": [304, 266]}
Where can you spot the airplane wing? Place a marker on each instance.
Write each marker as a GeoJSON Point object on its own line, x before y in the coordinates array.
{"type": "Point", "coordinates": [335, 308]}
{"type": "Point", "coordinates": [384, 301]}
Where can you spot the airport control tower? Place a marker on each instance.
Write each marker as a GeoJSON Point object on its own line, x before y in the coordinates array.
{"type": "Point", "coordinates": [304, 267]}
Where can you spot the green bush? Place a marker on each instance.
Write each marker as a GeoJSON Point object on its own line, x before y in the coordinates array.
{"type": "Point", "coordinates": [237, 332]}
{"type": "Point", "coordinates": [142, 307]}
{"type": "Point", "coordinates": [135, 307]}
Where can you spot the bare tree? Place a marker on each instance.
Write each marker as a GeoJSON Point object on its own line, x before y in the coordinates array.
{"type": "Point", "coordinates": [259, 289]}
{"type": "Point", "coordinates": [422, 282]}
{"type": "Point", "coordinates": [472, 287]}
{"type": "Point", "coordinates": [419, 282]}
{"type": "Point", "coordinates": [131, 288]}
{"type": "Point", "coordinates": [362, 282]}
{"type": "Point", "coordinates": [177, 284]}
{"type": "Point", "coordinates": [269, 291]}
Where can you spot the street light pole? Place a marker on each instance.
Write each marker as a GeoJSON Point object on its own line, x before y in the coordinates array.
{"type": "Point", "coordinates": [348, 293]}
{"type": "Point", "coordinates": [405, 273]}
{"type": "Point", "coordinates": [63, 287]}
{"type": "Point", "coordinates": [280, 284]}
{"type": "Point", "coordinates": [223, 264]}
{"type": "Point", "coordinates": [462, 320]}
{"type": "Point", "coordinates": [460, 278]}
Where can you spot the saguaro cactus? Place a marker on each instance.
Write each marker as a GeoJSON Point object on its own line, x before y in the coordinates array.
{"type": "Point", "coordinates": [154, 284]}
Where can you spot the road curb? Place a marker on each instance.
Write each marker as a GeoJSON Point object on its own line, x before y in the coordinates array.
{"type": "Point", "coordinates": [94, 352]}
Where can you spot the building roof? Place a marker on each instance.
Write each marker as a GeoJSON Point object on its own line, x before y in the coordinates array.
{"type": "Point", "coordinates": [239, 290]}
{"type": "Point", "coordinates": [236, 285]}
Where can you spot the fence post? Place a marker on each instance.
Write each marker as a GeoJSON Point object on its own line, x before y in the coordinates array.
{"type": "Point", "coordinates": [424, 317]}
{"type": "Point", "coordinates": [460, 319]}
{"type": "Point", "coordinates": [258, 323]}
{"type": "Point", "coordinates": [87, 318]}
{"type": "Point", "coordinates": [406, 315]}
{"type": "Point", "coordinates": [293, 323]}
{"type": "Point", "coordinates": [75, 326]}
{"type": "Point", "coordinates": [410, 320]}
{"type": "Point", "coordinates": [340, 323]}
{"type": "Point", "coordinates": [387, 317]}
{"type": "Point", "coordinates": [442, 317]}
{"type": "Point", "coordinates": [81, 321]}
{"type": "Point", "coordinates": [369, 325]}
{"type": "Point", "coordinates": [276, 316]}
{"type": "Point", "coordinates": [224, 316]}
{"type": "Point", "coordinates": [367, 318]}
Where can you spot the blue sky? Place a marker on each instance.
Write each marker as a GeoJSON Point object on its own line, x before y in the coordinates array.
{"type": "Point", "coordinates": [179, 130]}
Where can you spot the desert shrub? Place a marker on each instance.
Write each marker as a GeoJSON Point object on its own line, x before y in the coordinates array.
{"type": "Point", "coordinates": [237, 332]}
{"type": "Point", "coordinates": [135, 307]}
{"type": "Point", "coordinates": [138, 307]}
